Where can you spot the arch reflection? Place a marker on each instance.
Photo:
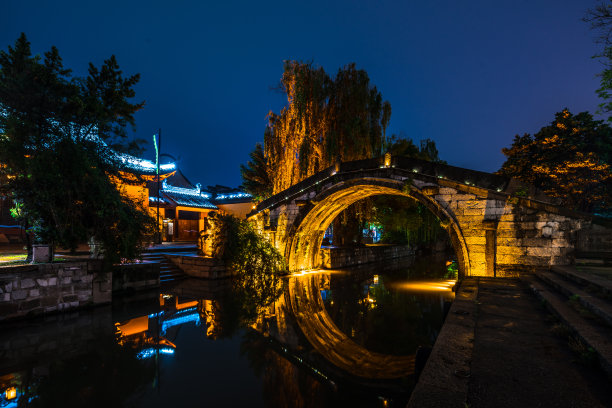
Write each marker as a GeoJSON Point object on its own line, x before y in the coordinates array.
{"type": "Point", "coordinates": [306, 304]}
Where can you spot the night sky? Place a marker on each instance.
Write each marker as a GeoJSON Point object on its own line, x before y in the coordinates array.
{"type": "Point", "coordinates": [467, 74]}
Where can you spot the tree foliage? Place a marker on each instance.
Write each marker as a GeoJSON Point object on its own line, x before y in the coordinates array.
{"type": "Point", "coordinates": [569, 159]}
{"type": "Point", "coordinates": [326, 120]}
{"type": "Point", "coordinates": [255, 177]}
{"type": "Point", "coordinates": [257, 265]}
{"type": "Point", "coordinates": [600, 19]}
{"type": "Point", "coordinates": [58, 138]}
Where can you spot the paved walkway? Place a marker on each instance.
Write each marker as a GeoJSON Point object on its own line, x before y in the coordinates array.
{"type": "Point", "coordinates": [499, 347]}
{"type": "Point", "coordinates": [522, 358]}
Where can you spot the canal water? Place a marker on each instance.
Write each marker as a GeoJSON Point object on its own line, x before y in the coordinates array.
{"type": "Point", "coordinates": [317, 339]}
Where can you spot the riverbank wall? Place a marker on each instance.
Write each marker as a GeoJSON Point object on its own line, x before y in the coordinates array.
{"type": "Point", "coordinates": [32, 290]}
{"type": "Point", "coordinates": [200, 267]}
{"type": "Point", "coordinates": [342, 257]}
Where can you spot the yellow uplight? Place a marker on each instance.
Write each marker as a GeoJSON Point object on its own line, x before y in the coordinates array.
{"type": "Point", "coordinates": [11, 393]}
{"type": "Point", "coordinates": [438, 286]}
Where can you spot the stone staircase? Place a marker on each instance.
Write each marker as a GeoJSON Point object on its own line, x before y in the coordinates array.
{"type": "Point", "coordinates": [168, 272]}
{"type": "Point", "coordinates": [581, 298]}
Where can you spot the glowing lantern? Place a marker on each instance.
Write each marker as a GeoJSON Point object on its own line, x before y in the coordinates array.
{"type": "Point", "coordinates": [11, 393]}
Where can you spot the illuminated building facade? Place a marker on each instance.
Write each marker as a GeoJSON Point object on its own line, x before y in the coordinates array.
{"type": "Point", "coordinates": [183, 206]}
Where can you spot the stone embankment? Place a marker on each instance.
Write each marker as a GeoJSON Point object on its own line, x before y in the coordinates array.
{"type": "Point", "coordinates": [336, 257]}
{"type": "Point", "coordinates": [200, 267]}
{"type": "Point", "coordinates": [30, 290]}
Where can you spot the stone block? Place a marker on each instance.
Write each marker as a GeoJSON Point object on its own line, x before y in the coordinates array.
{"type": "Point", "coordinates": [66, 281]}
{"type": "Point", "coordinates": [444, 198]}
{"type": "Point", "coordinates": [543, 251]}
{"type": "Point", "coordinates": [511, 250]}
{"type": "Point", "coordinates": [476, 240]}
{"type": "Point", "coordinates": [42, 282]}
{"type": "Point", "coordinates": [34, 293]}
{"type": "Point", "coordinates": [52, 281]}
{"type": "Point", "coordinates": [470, 211]}
{"type": "Point", "coordinates": [447, 191]}
{"type": "Point", "coordinates": [27, 283]}
{"type": "Point", "coordinates": [463, 197]}
{"type": "Point", "coordinates": [474, 204]}
{"type": "Point", "coordinates": [19, 294]}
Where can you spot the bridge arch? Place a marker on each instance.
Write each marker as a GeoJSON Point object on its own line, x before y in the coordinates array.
{"type": "Point", "coordinates": [497, 226]}
{"type": "Point", "coordinates": [303, 248]}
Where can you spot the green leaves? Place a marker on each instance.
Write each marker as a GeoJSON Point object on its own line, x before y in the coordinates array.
{"type": "Point", "coordinates": [569, 160]}
{"type": "Point", "coordinates": [256, 180]}
{"type": "Point", "coordinates": [49, 158]}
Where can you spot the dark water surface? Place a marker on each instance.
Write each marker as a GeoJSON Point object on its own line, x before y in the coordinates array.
{"type": "Point", "coordinates": [319, 339]}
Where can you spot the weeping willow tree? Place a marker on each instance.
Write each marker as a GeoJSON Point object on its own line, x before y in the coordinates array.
{"type": "Point", "coordinates": [325, 120]}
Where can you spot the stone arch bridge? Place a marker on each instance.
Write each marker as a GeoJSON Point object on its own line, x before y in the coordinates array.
{"type": "Point", "coordinates": [497, 225]}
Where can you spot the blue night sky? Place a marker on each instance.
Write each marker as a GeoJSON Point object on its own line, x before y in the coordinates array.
{"type": "Point", "coordinates": [469, 75]}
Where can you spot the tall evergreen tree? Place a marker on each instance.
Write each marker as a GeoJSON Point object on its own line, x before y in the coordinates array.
{"type": "Point", "coordinates": [256, 179]}
{"type": "Point", "coordinates": [58, 140]}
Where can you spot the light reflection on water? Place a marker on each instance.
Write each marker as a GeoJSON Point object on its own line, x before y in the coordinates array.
{"type": "Point", "coordinates": [325, 338]}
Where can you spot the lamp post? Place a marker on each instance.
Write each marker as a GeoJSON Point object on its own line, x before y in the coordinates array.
{"type": "Point", "coordinates": [157, 149]}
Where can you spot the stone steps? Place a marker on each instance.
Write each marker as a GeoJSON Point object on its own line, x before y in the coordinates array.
{"type": "Point", "coordinates": [168, 272]}
{"type": "Point", "coordinates": [596, 305]}
{"type": "Point", "coordinates": [581, 275]}
{"type": "Point", "coordinates": [555, 288]}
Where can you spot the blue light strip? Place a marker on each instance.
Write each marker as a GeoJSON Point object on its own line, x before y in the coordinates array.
{"type": "Point", "coordinates": [151, 351]}
{"type": "Point", "coordinates": [178, 320]}
{"type": "Point", "coordinates": [232, 196]}
{"type": "Point", "coordinates": [182, 190]}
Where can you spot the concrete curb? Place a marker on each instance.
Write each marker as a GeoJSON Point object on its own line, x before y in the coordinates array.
{"type": "Point", "coordinates": [444, 380]}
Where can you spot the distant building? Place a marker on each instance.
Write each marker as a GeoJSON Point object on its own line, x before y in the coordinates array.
{"type": "Point", "coordinates": [183, 206]}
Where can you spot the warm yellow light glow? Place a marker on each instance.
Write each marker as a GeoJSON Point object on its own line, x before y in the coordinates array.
{"type": "Point", "coordinates": [11, 393]}
{"type": "Point", "coordinates": [435, 286]}
{"type": "Point", "coordinates": [316, 271]}
{"type": "Point", "coordinates": [375, 279]}
{"type": "Point", "coordinates": [387, 159]}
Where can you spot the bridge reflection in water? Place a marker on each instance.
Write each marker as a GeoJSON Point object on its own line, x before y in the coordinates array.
{"type": "Point", "coordinates": [330, 337]}
{"type": "Point", "coordinates": [299, 312]}
{"type": "Point", "coordinates": [304, 293]}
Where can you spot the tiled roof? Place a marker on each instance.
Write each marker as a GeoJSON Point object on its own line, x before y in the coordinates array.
{"type": "Point", "coordinates": [188, 200]}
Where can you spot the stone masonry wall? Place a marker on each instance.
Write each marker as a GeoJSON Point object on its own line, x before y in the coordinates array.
{"type": "Point", "coordinates": [333, 258]}
{"type": "Point", "coordinates": [200, 267]}
{"type": "Point", "coordinates": [29, 290]}
{"type": "Point", "coordinates": [511, 236]}
{"type": "Point", "coordinates": [498, 233]}
{"type": "Point", "coordinates": [135, 276]}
